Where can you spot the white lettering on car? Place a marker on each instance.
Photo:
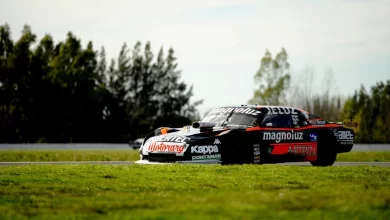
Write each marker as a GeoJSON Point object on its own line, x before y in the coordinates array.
{"type": "Point", "coordinates": [317, 122]}
{"type": "Point", "coordinates": [281, 111]}
{"type": "Point", "coordinates": [249, 111]}
{"type": "Point", "coordinates": [207, 149]}
{"type": "Point", "coordinates": [279, 136]}
{"type": "Point", "coordinates": [206, 157]}
{"type": "Point", "coordinates": [345, 137]}
{"type": "Point", "coordinates": [169, 138]}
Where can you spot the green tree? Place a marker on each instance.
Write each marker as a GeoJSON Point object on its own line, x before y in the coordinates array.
{"type": "Point", "coordinates": [62, 92]}
{"type": "Point", "coordinates": [272, 79]}
{"type": "Point", "coordinates": [373, 111]}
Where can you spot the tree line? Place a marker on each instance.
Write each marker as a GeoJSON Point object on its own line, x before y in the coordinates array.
{"type": "Point", "coordinates": [62, 92]}
{"type": "Point", "coordinates": [371, 109]}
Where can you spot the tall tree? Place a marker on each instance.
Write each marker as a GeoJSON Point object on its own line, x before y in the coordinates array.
{"type": "Point", "coordinates": [372, 109]}
{"type": "Point", "coordinates": [66, 93]}
{"type": "Point", "coordinates": [7, 86]}
{"type": "Point", "coordinates": [319, 100]}
{"type": "Point", "coordinates": [272, 79]}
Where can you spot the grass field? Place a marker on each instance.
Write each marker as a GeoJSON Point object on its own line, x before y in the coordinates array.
{"type": "Point", "coordinates": [132, 155]}
{"type": "Point", "coordinates": [193, 192]}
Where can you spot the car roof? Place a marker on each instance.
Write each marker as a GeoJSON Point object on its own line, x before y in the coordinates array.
{"type": "Point", "coordinates": [262, 106]}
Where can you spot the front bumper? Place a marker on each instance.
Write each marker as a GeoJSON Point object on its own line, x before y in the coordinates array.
{"type": "Point", "coordinates": [180, 162]}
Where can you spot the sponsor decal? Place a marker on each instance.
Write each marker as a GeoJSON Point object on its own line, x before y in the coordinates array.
{"type": "Point", "coordinates": [216, 141]}
{"type": "Point", "coordinates": [249, 111]}
{"type": "Point", "coordinates": [295, 119]}
{"type": "Point", "coordinates": [207, 157]}
{"type": "Point", "coordinates": [167, 147]}
{"type": "Point", "coordinates": [168, 138]}
{"type": "Point", "coordinates": [207, 149]}
{"type": "Point", "coordinates": [345, 137]}
{"type": "Point", "coordinates": [317, 122]}
{"type": "Point", "coordinates": [279, 136]}
{"type": "Point", "coordinates": [302, 150]}
{"type": "Point", "coordinates": [256, 159]}
{"type": "Point", "coordinates": [256, 149]}
{"type": "Point", "coordinates": [313, 137]}
{"type": "Point", "coordinates": [281, 111]}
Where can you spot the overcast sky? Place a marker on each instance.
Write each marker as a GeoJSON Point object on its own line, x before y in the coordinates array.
{"type": "Point", "coordinates": [219, 43]}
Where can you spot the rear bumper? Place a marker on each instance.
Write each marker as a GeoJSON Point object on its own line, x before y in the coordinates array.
{"type": "Point", "coordinates": [344, 148]}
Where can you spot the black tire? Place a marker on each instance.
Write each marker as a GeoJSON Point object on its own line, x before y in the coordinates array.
{"type": "Point", "coordinates": [326, 150]}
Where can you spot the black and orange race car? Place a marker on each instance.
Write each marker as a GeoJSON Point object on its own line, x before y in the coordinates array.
{"type": "Point", "coordinates": [250, 134]}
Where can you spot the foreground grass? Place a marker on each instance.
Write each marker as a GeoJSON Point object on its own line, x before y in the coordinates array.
{"type": "Point", "coordinates": [380, 156]}
{"type": "Point", "coordinates": [132, 155]}
{"type": "Point", "coordinates": [68, 155]}
{"type": "Point", "coordinates": [194, 192]}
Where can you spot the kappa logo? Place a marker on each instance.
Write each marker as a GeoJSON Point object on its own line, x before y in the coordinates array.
{"type": "Point", "coordinates": [208, 149]}
{"type": "Point", "coordinates": [216, 141]}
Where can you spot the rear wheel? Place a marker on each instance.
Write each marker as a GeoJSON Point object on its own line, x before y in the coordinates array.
{"type": "Point", "coordinates": [326, 149]}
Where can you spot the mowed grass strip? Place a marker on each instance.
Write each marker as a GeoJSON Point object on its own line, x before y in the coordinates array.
{"type": "Point", "coordinates": [132, 155]}
{"type": "Point", "coordinates": [68, 155]}
{"type": "Point", "coordinates": [193, 192]}
{"type": "Point", "coordinates": [364, 156]}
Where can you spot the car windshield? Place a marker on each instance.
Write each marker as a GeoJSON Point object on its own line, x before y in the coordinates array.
{"type": "Point", "coordinates": [240, 116]}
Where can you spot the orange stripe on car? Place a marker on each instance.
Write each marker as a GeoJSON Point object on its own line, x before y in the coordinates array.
{"type": "Point", "coordinates": [164, 130]}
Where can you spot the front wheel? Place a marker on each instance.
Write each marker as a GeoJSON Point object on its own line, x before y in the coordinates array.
{"type": "Point", "coordinates": [325, 160]}
{"type": "Point", "coordinates": [326, 149]}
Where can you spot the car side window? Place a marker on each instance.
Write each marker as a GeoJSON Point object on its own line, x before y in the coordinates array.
{"type": "Point", "coordinates": [302, 120]}
{"type": "Point", "coordinates": [278, 121]}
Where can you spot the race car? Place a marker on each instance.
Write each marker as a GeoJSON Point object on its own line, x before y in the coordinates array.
{"type": "Point", "coordinates": [250, 134]}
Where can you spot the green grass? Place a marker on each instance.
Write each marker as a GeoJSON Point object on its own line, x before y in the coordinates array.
{"type": "Point", "coordinates": [132, 155]}
{"type": "Point", "coordinates": [193, 192]}
{"type": "Point", "coordinates": [68, 155]}
{"type": "Point", "coordinates": [380, 156]}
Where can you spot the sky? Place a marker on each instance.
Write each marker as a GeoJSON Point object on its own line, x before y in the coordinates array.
{"type": "Point", "coordinates": [219, 43]}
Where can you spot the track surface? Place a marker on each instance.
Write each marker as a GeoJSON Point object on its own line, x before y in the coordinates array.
{"type": "Point", "coordinates": [384, 164]}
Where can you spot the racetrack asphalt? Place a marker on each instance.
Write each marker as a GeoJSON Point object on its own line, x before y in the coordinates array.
{"type": "Point", "coordinates": [384, 164]}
